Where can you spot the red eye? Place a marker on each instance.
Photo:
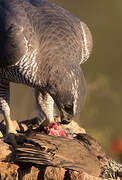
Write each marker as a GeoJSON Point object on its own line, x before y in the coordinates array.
{"type": "Point", "coordinates": [68, 108]}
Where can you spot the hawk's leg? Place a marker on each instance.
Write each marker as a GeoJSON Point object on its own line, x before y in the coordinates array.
{"type": "Point", "coordinates": [45, 106]}
{"type": "Point", "coordinates": [5, 109]}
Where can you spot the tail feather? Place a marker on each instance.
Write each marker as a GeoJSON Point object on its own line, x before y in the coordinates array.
{"type": "Point", "coordinates": [32, 155]}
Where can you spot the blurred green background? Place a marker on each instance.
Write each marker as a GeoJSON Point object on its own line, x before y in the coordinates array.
{"type": "Point", "coordinates": [101, 115]}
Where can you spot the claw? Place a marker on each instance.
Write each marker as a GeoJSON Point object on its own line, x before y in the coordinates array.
{"type": "Point", "coordinates": [11, 139]}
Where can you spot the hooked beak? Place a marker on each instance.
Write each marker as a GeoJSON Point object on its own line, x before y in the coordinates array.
{"type": "Point", "coordinates": [65, 117]}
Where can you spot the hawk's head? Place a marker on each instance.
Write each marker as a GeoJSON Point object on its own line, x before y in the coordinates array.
{"type": "Point", "coordinates": [68, 89]}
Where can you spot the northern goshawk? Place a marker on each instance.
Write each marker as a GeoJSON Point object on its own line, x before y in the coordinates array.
{"type": "Point", "coordinates": [42, 46]}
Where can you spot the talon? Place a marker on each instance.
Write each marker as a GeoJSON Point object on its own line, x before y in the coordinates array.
{"type": "Point", "coordinates": [11, 139]}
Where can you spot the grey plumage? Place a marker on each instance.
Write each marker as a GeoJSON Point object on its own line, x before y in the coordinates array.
{"type": "Point", "coordinates": [42, 46]}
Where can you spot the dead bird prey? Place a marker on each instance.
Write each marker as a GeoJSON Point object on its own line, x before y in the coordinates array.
{"type": "Point", "coordinates": [42, 46]}
{"type": "Point", "coordinates": [83, 153]}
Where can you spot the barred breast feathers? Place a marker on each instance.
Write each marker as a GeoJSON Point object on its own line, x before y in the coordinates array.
{"type": "Point", "coordinates": [28, 65]}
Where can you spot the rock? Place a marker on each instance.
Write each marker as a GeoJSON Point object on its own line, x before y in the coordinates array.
{"type": "Point", "coordinates": [5, 151]}
{"type": "Point", "coordinates": [8, 171]}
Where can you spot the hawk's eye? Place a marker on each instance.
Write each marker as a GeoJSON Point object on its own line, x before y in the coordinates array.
{"type": "Point", "coordinates": [68, 108]}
